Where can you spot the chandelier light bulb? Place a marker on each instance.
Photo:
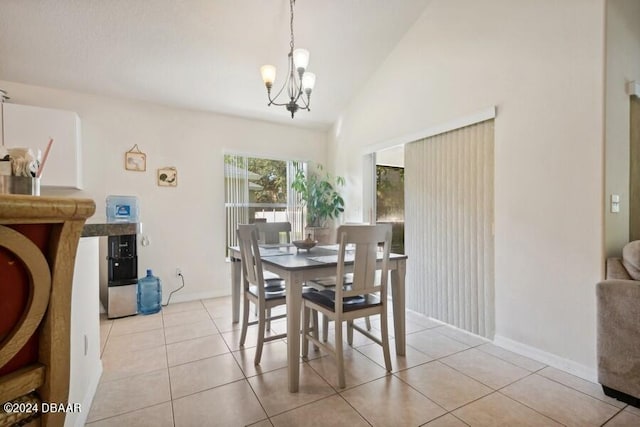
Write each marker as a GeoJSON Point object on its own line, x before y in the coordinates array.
{"type": "Point", "coordinates": [268, 74]}
{"type": "Point", "coordinates": [301, 59]}
{"type": "Point", "coordinates": [308, 82]}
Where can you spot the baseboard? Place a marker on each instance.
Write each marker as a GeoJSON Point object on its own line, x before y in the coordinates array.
{"type": "Point", "coordinates": [574, 368]}
{"type": "Point", "coordinates": [81, 418]}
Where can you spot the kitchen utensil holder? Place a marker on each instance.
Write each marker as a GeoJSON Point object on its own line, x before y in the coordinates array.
{"type": "Point", "coordinates": [19, 185]}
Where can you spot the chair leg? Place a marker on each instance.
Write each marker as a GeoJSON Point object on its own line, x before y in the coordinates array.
{"type": "Point", "coordinates": [316, 327]}
{"type": "Point", "coordinates": [261, 332]}
{"type": "Point", "coordinates": [325, 328]}
{"type": "Point", "coordinates": [385, 339]}
{"type": "Point", "coordinates": [245, 321]}
{"type": "Point", "coordinates": [350, 332]}
{"type": "Point", "coordinates": [268, 319]}
{"type": "Point", "coordinates": [368, 323]}
{"type": "Point", "coordinates": [339, 354]}
{"type": "Point", "coordinates": [305, 330]}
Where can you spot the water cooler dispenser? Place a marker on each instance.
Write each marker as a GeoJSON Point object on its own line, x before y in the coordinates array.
{"type": "Point", "coordinates": [119, 296]}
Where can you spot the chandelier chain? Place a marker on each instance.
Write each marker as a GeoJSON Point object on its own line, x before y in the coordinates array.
{"type": "Point", "coordinates": [291, 3]}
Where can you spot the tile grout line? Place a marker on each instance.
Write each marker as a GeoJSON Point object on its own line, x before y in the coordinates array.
{"type": "Point", "coordinates": [527, 406]}
{"type": "Point", "coordinates": [112, 321]}
{"type": "Point", "coordinates": [422, 394]}
{"type": "Point", "coordinates": [580, 391]}
{"type": "Point", "coordinates": [166, 354]}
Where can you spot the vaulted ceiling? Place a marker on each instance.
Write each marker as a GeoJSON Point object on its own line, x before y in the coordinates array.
{"type": "Point", "coordinates": [201, 54]}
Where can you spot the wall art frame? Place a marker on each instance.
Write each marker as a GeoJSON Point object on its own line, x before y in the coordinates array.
{"type": "Point", "coordinates": [168, 176]}
{"type": "Point", "coordinates": [135, 160]}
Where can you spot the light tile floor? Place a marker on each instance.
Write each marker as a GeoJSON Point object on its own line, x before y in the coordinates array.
{"type": "Point", "coordinates": [184, 367]}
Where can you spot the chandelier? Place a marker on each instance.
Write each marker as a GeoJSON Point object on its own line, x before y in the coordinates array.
{"type": "Point", "coordinates": [299, 82]}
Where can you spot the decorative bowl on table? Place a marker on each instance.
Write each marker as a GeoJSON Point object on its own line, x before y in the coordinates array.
{"type": "Point", "coordinates": [307, 243]}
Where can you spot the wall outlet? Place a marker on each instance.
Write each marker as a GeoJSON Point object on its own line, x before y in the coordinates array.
{"type": "Point", "coordinates": [178, 272]}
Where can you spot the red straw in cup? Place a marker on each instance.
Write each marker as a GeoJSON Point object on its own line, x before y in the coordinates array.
{"type": "Point", "coordinates": [44, 158]}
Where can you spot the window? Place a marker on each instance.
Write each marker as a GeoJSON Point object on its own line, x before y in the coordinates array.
{"type": "Point", "coordinates": [258, 189]}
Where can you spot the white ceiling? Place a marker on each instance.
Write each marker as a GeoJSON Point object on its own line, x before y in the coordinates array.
{"type": "Point", "coordinates": [201, 54]}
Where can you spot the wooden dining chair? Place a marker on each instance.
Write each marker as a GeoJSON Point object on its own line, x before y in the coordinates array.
{"type": "Point", "coordinates": [270, 233]}
{"type": "Point", "coordinates": [264, 295]}
{"type": "Point", "coordinates": [366, 296]}
{"type": "Point", "coordinates": [274, 232]}
{"type": "Point", "coordinates": [323, 283]}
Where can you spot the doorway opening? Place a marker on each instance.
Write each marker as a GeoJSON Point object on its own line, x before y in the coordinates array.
{"type": "Point", "coordinates": [390, 193]}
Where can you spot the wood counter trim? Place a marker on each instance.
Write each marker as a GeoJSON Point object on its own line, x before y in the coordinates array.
{"type": "Point", "coordinates": [23, 209]}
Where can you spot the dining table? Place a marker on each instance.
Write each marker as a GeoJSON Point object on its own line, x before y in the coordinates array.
{"type": "Point", "coordinates": [296, 267]}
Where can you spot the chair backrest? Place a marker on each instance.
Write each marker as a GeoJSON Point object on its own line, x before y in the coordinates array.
{"type": "Point", "coordinates": [271, 232]}
{"type": "Point", "coordinates": [250, 255]}
{"type": "Point", "coordinates": [38, 241]}
{"type": "Point", "coordinates": [361, 244]}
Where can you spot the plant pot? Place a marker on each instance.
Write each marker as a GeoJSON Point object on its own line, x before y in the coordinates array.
{"type": "Point", "coordinates": [321, 234]}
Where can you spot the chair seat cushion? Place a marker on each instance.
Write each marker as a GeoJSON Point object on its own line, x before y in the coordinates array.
{"type": "Point", "coordinates": [327, 299]}
{"type": "Point", "coordinates": [275, 289]}
{"type": "Point", "coordinates": [272, 290]}
{"type": "Point", "coordinates": [269, 276]}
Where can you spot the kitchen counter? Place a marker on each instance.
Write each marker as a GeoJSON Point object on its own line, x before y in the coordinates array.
{"type": "Point", "coordinates": [110, 229]}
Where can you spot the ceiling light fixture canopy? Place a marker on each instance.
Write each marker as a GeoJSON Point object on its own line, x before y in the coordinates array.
{"type": "Point", "coordinates": [298, 82]}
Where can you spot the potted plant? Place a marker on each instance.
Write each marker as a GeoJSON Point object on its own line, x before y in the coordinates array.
{"type": "Point", "coordinates": [319, 195]}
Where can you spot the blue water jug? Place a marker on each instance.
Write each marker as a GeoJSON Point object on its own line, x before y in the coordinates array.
{"type": "Point", "coordinates": [149, 294]}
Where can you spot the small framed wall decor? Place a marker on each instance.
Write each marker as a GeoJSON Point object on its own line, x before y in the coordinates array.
{"type": "Point", "coordinates": [168, 177]}
{"type": "Point", "coordinates": [135, 160]}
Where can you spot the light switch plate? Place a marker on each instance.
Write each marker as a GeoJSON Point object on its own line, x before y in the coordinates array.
{"type": "Point", "coordinates": [615, 203]}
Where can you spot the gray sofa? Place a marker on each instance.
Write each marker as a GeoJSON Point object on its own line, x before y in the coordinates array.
{"type": "Point", "coordinates": [619, 326]}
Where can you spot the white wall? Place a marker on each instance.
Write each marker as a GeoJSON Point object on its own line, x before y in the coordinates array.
{"type": "Point", "coordinates": [186, 224]}
{"type": "Point", "coordinates": [393, 156]}
{"type": "Point", "coordinates": [623, 66]}
{"type": "Point", "coordinates": [541, 63]}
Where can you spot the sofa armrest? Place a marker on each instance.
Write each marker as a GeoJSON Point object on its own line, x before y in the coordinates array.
{"type": "Point", "coordinates": [619, 335]}
{"type": "Point", "coordinates": [615, 269]}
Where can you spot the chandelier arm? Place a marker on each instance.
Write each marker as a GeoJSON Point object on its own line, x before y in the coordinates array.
{"type": "Point", "coordinates": [298, 94]}
{"type": "Point", "coordinates": [305, 102]}
{"type": "Point", "coordinates": [278, 104]}
{"type": "Point", "coordinates": [272, 100]}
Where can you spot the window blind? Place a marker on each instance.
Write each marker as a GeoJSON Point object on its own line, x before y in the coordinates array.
{"type": "Point", "coordinates": [448, 227]}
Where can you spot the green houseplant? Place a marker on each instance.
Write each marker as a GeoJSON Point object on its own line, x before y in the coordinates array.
{"type": "Point", "coordinates": [318, 193]}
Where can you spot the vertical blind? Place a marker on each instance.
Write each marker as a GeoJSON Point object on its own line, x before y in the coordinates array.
{"type": "Point", "coordinates": [236, 195]}
{"type": "Point", "coordinates": [449, 227]}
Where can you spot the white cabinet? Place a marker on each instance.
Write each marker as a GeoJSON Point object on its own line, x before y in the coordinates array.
{"type": "Point", "coordinates": [31, 127]}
